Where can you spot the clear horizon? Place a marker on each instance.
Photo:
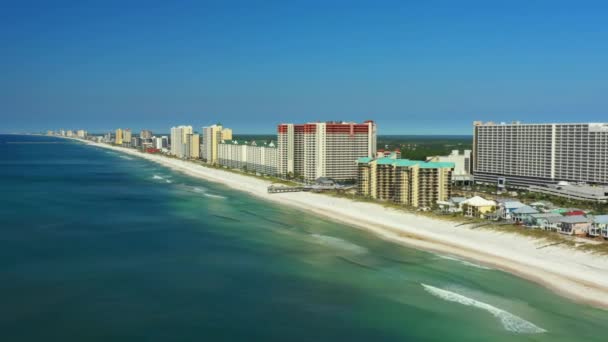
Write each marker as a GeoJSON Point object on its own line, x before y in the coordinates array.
{"type": "Point", "coordinates": [414, 68]}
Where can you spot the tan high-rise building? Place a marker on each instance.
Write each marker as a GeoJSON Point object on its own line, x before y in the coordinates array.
{"type": "Point", "coordinates": [324, 149]}
{"type": "Point", "coordinates": [81, 133]}
{"type": "Point", "coordinates": [193, 145]}
{"type": "Point", "coordinates": [126, 139]}
{"type": "Point", "coordinates": [410, 182]}
{"type": "Point", "coordinates": [145, 134]}
{"type": "Point", "coordinates": [118, 139]}
{"type": "Point", "coordinates": [212, 137]}
{"type": "Point", "coordinates": [179, 141]}
{"type": "Point", "coordinates": [226, 134]}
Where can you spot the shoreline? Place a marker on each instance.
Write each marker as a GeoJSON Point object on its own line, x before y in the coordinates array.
{"type": "Point", "coordinates": [577, 275]}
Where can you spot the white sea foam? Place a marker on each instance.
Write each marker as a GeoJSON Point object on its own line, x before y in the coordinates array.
{"type": "Point", "coordinates": [508, 320]}
{"type": "Point", "coordinates": [125, 157]}
{"type": "Point", "coordinates": [213, 196]}
{"type": "Point", "coordinates": [339, 243]}
{"type": "Point", "coordinates": [157, 177]}
{"type": "Point", "coordinates": [168, 181]}
{"type": "Point", "coordinates": [464, 262]}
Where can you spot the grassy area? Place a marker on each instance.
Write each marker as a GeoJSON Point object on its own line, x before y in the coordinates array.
{"type": "Point", "coordinates": [248, 174]}
{"type": "Point", "coordinates": [420, 147]}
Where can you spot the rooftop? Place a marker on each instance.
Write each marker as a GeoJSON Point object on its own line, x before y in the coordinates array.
{"type": "Point", "coordinates": [603, 219]}
{"type": "Point", "coordinates": [249, 142]}
{"type": "Point", "coordinates": [406, 163]}
{"type": "Point", "coordinates": [574, 219]}
{"type": "Point", "coordinates": [525, 210]}
{"type": "Point", "coordinates": [545, 215]}
{"type": "Point", "coordinates": [512, 204]}
{"type": "Point", "coordinates": [479, 202]}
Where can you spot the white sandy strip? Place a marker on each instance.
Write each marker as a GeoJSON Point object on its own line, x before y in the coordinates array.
{"type": "Point", "coordinates": [574, 274]}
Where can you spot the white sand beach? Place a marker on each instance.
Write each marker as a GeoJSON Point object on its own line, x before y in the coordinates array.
{"type": "Point", "coordinates": [575, 274]}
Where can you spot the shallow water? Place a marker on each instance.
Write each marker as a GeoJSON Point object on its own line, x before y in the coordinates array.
{"type": "Point", "coordinates": [97, 247]}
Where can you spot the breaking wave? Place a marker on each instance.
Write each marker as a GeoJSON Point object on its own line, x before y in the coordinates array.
{"type": "Point", "coordinates": [508, 320]}
{"type": "Point", "coordinates": [339, 243]}
{"type": "Point", "coordinates": [203, 191]}
{"type": "Point", "coordinates": [125, 157]}
{"type": "Point", "coordinates": [213, 196]}
{"type": "Point", "coordinates": [161, 178]}
{"type": "Point", "coordinates": [464, 262]}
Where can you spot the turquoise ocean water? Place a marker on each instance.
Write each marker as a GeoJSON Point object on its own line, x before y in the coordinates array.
{"type": "Point", "coordinates": [99, 246]}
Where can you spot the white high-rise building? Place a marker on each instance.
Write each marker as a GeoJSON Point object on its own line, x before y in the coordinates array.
{"type": "Point", "coordinates": [161, 142]}
{"type": "Point", "coordinates": [259, 157]}
{"type": "Point", "coordinates": [462, 165]}
{"type": "Point", "coordinates": [179, 139]}
{"type": "Point", "coordinates": [531, 154]}
{"type": "Point", "coordinates": [324, 149]}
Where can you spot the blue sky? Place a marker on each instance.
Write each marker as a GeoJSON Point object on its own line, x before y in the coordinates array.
{"type": "Point", "coordinates": [416, 67]}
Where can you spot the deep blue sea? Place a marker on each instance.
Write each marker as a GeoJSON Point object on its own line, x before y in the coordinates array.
{"type": "Point", "coordinates": [100, 246]}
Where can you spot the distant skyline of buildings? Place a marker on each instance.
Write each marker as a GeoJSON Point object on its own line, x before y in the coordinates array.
{"type": "Point", "coordinates": [390, 127]}
{"type": "Point", "coordinates": [534, 156]}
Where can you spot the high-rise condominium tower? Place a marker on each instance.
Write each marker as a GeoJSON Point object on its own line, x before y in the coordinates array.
{"type": "Point", "coordinates": [118, 137]}
{"type": "Point", "coordinates": [126, 137]}
{"type": "Point", "coordinates": [179, 139]}
{"type": "Point", "coordinates": [324, 149]}
{"type": "Point", "coordinates": [212, 136]}
{"type": "Point", "coordinates": [531, 154]}
{"type": "Point", "coordinates": [145, 134]}
{"type": "Point", "coordinates": [193, 143]}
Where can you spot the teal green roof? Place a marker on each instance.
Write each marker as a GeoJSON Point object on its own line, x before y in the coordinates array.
{"type": "Point", "coordinates": [407, 163]}
{"type": "Point", "coordinates": [364, 160]}
{"type": "Point", "coordinates": [404, 162]}
{"type": "Point", "coordinates": [385, 161]}
{"type": "Point", "coordinates": [436, 165]}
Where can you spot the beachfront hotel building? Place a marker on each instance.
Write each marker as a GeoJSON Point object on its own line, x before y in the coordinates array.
{"type": "Point", "coordinates": [161, 142]}
{"type": "Point", "coordinates": [521, 155]}
{"type": "Point", "coordinates": [179, 140]}
{"type": "Point", "coordinates": [410, 182]}
{"type": "Point", "coordinates": [145, 134]}
{"type": "Point", "coordinates": [324, 149]}
{"type": "Point", "coordinates": [193, 146]}
{"type": "Point", "coordinates": [212, 137]}
{"type": "Point", "coordinates": [118, 137]}
{"type": "Point", "coordinates": [256, 156]}
{"type": "Point", "coordinates": [462, 165]}
{"type": "Point", "coordinates": [126, 137]}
